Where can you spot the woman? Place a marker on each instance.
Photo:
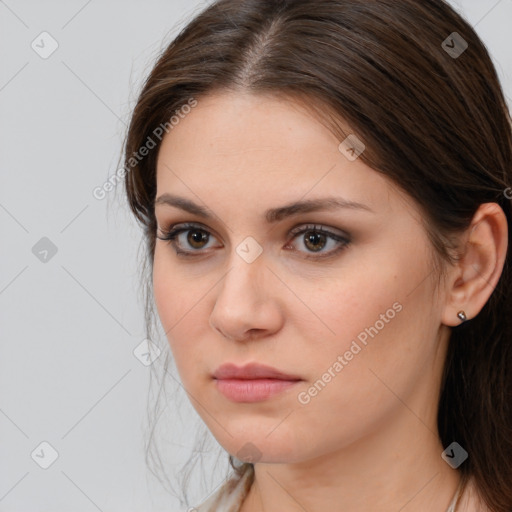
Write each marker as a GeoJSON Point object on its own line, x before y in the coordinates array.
{"type": "Point", "coordinates": [325, 194]}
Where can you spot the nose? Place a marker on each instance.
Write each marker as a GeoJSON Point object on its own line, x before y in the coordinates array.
{"type": "Point", "coordinates": [247, 305]}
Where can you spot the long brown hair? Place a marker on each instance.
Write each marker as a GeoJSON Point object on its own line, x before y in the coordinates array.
{"type": "Point", "coordinates": [434, 121]}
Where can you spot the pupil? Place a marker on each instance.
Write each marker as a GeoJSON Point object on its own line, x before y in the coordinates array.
{"type": "Point", "coordinates": [315, 239]}
{"type": "Point", "coordinates": [196, 237]}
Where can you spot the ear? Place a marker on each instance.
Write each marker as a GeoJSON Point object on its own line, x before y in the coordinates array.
{"type": "Point", "coordinates": [476, 274]}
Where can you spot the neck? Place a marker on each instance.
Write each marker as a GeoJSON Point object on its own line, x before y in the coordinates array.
{"type": "Point", "coordinates": [404, 473]}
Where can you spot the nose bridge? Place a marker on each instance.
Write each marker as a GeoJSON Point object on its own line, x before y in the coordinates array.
{"type": "Point", "coordinates": [245, 281]}
{"type": "Point", "coordinates": [247, 268]}
{"type": "Point", "coordinates": [244, 301]}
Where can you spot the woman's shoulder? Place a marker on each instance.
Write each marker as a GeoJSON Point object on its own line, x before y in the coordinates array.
{"type": "Point", "coordinates": [230, 496]}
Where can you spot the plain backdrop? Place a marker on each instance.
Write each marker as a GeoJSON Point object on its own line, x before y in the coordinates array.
{"type": "Point", "coordinates": [72, 392]}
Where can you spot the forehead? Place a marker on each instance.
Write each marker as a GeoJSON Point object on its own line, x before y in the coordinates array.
{"type": "Point", "coordinates": [262, 148]}
{"type": "Point", "coordinates": [234, 124]}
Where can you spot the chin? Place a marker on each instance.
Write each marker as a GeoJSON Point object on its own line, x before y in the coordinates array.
{"type": "Point", "coordinates": [253, 445]}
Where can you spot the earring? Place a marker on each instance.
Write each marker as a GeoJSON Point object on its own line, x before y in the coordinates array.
{"type": "Point", "coordinates": [462, 316]}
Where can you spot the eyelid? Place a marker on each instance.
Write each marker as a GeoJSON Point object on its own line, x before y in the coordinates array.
{"type": "Point", "coordinates": [320, 228]}
{"type": "Point", "coordinates": [176, 229]}
{"type": "Point", "coordinates": [179, 227]}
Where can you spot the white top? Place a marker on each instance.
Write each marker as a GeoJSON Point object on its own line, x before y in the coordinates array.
{"type": "Point", "coordinates": [230, 496]}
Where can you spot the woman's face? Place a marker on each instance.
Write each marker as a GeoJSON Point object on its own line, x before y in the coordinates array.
{"type": "Point", "coordinates": [347, 312]}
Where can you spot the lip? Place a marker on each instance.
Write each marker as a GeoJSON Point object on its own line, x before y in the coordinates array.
{"type": "Point", "coordinates": [251, 371]}
{"type": "Point", "coordinates": [252, 383]}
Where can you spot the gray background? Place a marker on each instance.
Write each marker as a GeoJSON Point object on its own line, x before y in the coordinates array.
{"type": "Point", "coordinates": [70, 324]}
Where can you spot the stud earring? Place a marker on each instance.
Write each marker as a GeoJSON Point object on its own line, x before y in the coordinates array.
{"type": "Point", "coordinates": [462, 316]}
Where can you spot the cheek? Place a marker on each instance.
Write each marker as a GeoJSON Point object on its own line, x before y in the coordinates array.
{"type": "Point", "coordinates": [175, 299]}
{"type": "Point", "coordinates": [177, 293]}
{"type": "Point", "coordinates": [344, 307]}
{"type": "Point", "coordinates": [381, 331]}
{"type": "Point", "coordinates": [165, 286]}
{"type": "Point", "coordinates": [369, 317]}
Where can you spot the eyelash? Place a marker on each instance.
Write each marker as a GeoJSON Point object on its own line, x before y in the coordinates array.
{"type": "Point", "coordinates": [173, 232]}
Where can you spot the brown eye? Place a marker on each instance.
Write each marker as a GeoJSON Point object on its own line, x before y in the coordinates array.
{"type": "Point", "coordinates": [191, 240]}
{"type": "Point", "coordinates": [315, 241]}
{"type": "Point", "coordinates": [187, 239]}
{"type": "Point", "coordinates": [197, 237]}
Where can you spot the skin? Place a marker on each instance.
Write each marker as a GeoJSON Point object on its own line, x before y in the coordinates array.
{"type": "Point", "coordinates": [368, 440]}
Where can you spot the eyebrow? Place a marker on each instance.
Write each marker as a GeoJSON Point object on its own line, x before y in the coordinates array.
{"type": "Point", "coordinates": [272, 215]}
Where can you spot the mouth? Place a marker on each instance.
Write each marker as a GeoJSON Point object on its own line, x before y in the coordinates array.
{"type": "Point", "coordinates": [253, 382]}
